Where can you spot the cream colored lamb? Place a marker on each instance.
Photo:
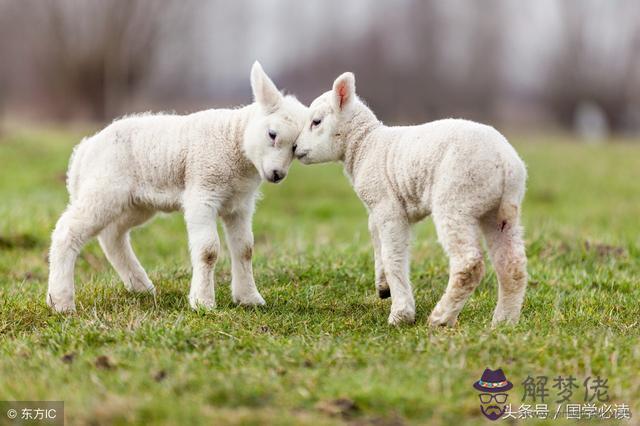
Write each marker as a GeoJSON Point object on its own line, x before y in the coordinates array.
{"type": "Point", "coordinates": [208, 164]}
{"type": "Point", "coordinates": [464, 174]}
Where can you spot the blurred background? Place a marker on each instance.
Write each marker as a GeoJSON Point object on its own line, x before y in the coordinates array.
{"type": "Point", "coordinates": [546, 65]}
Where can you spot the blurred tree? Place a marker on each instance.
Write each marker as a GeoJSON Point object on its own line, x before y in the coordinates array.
{"type": "Point", "coordinates": [415, 60]}
{"type": "Point", "coordinates": [417, 63]}
{"type": "Point", "coordinates": [4, 39]}
{"type": "Point", "coordinates": [103, 61]}
{"type": "Point", "coordinates": [91, 57]}
{"type": "Point", "coordinates": [583, 71]}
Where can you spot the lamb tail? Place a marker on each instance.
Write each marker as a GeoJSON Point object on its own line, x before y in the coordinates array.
{"type": "Point", "coordinates": [72, 172]}
{"type": "Point", "coordinates": [515, 176]}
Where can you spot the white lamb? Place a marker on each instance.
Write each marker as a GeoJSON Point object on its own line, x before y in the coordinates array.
{"type": "Point", "coordinates": [207, 164]}
{"type": "Point", "coordinates": [465, 174]}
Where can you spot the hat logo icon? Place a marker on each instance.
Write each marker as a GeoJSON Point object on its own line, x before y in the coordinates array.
{"type": "Point", "coordinates": [493, 387]}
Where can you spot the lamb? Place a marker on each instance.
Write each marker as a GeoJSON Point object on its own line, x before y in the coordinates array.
{"type": "Point", "coordinates": [464, 174]}
{"type": "Point", "coordinates": [208, 164]}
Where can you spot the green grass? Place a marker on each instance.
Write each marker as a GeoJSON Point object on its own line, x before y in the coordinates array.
{"type": "Point", "coordinates": [323, 334]}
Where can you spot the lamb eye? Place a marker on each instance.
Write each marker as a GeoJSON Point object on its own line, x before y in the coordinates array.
{"type": "Point", "coordinates": [272, 135]}
{"type": "Point", "coordinates": [316, 122]}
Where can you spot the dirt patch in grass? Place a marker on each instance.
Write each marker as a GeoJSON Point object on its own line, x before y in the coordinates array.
{"type": "Point", "coordinates": [19, 241]}
{"type": "Point", "coordinates": [105, 362]}
{"type": "Point", "coordinates": [342, 407]}
{"type": "Point", "coordinates": [601, 250]}
{"type": "Point", "coordinates": [605, 250]}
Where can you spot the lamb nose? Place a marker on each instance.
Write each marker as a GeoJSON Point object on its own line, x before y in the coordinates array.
{"type": "Point", "coordinates": [277, 176]}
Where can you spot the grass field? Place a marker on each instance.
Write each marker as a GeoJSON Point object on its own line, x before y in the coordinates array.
{"type": "Point", "coordinates": [323, 335]}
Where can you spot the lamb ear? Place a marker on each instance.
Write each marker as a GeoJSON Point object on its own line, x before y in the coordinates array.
{"type": "Point", "coordinates": [265, 92]}
{"type": "Point", "coordinates": [344, 90]}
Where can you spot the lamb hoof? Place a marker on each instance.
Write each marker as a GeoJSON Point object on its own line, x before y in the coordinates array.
{"type": "Point", "coordinates": [201, 303]}
{"type": "Point", "coordinates": [442, 319]}
{"type": "Point", "coordinates": [254, 299]}
{"type": "Point", "coordinates": [140, 285]}
{"type": "Point", "coordinates": [504, 319]}
{"type": "Point", "coordinates": [402, 316]}
{"type": "Point", "coordinates": [384, 293]}
{"type": "Point", "coordinates": [61, 306]}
